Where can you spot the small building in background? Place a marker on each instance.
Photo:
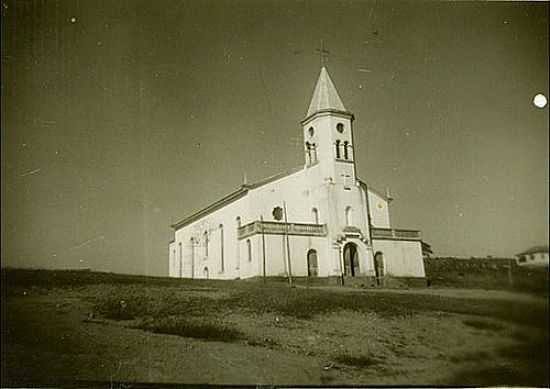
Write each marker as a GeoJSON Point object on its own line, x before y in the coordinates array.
{"type": "Point", "coordinates": [535, 256]}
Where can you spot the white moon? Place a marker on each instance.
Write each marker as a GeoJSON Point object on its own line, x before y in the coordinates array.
{"type": "Point", "coordinates": [540, 100]}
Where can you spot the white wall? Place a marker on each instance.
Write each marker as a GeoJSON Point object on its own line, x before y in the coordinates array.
{"type": "Point", "coordinates": [194, 258]}
{"type": "Point", "coordinates": [401, 258]}
{"type": "Point", "coordinates": [536, 259]}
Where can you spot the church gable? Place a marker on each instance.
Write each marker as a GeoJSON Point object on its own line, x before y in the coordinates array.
{"type": "Point", "coordinates": [378, 207]}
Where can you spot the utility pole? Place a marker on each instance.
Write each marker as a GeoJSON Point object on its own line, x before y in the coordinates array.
{"type": "Point", "coordinates": [192, 258]}
{"type": "Point", "coordinates": [287, 247]}
{"type": "Point", "coordinates": [510, 277]}
{"type": "Point", "coordinates": [263, 245]}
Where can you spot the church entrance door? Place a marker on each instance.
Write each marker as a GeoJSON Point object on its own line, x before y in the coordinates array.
{"type": "Point", "coordinates": [379, 266]}
{"type": "Point", "coordinates": [312, 265]}
{"type": "Point", "coordinates": [351, 260]}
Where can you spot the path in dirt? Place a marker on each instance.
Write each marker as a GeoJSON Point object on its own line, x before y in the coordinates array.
{"type": "Point", "coordinates": [480, 294]}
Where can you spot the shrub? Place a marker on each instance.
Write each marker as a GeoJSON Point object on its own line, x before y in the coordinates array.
{"type": "Point", "coordinates": [213, 331]}
{"type": "Point", "coordinates": [483, 325]}
{"type": "Point", "coordinates": [360, 361]}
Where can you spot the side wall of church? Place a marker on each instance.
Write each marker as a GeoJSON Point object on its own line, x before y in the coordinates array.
{"type": "Point", "coordinates": [401, 258]}
{"type": "Point", "coordinates": [208, 255]}
{"type": "Point", "coordinates": [249, 257]}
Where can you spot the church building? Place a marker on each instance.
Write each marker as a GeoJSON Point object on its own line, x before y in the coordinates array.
{"type": "Point", "coordinates": [318, 220]}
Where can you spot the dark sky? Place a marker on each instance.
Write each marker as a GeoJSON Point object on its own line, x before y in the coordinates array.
{"type": "Point", "coordinates": [121, 117]}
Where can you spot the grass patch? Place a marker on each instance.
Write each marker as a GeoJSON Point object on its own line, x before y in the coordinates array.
{"type": "Point", "coordinates": [123, 297]}
{"type": "Point", "coordinates": [211, 331]}
{"type": "Point", "coordinates": [474, 356]}
{"type": "Point", "coordinates": [360, 361]}
{"type": "Point", "coordinates": [483, 325]}
{"type": "Point", "coordinates": [133, 302]}
{"type": "Point", "coordinates": [265, 342]}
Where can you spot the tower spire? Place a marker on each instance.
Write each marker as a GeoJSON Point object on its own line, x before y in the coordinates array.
{"type": "Point", "coordinates": [325, 95]}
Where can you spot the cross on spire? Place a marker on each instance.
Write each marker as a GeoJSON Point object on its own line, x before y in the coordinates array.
{"type": "Point", "coordinates": [323, 53]}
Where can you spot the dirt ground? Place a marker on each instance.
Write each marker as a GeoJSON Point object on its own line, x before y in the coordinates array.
{"type": "Point", "coordinates": [49, 338]}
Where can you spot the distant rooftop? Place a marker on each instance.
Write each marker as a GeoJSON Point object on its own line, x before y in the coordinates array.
{"type": "Point", "coordinates": [536, 249]}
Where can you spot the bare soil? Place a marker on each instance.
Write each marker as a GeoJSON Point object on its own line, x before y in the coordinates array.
{"type": "Point", "coordinates": [62, 335]}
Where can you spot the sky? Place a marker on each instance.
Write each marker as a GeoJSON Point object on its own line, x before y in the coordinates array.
{"type": "Point", "coordinates": [122, 117]}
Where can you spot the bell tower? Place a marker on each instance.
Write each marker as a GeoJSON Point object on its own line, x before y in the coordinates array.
{"type": "Point", "coordinates": [328, 134]}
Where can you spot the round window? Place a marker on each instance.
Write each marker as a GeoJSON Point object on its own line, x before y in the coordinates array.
{"type": "Point", "coordinates": [340, 127]}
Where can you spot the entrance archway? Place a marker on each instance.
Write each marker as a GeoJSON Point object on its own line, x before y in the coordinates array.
{"type": "Point", "coordinates": [312, 264]}
{"type": "Point", "coordinates": [351, 260]}
{"type": "Point", "coordinates": [379, 266]}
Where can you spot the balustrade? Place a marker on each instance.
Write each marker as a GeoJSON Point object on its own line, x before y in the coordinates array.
{"type": "Point", "coordinates": [257, 227]}
{"type": "Point", "coordinates": [397, 234]}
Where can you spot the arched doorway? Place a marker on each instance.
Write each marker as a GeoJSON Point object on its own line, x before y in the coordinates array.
{"type": "Point", "coordinates": [205, 272]}
{"type": "Point", "coordinates": [351, 260]}
{"type": "Point", "coordinates": [312, 264]}
{"type": "Point", "coordinates": [379, 266]}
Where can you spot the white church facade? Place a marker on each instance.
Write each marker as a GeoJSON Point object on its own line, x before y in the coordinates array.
{"type": "Point", "coordinates": [319, 220]}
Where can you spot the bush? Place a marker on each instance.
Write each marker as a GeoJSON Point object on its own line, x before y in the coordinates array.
{"type": "Point", "coordinates": [213, 331]}
{"type": "Point", "coordinates": [357, 361]}
{"type": "Point", "coordinates": [483, 325]}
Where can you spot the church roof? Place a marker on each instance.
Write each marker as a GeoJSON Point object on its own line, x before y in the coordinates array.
{"type": "Point", "coordinates": [243, 191]}
{"type": "Point", "coordinates": [233, 196]}
{"type": "Point", "coordinates": [325, 95]}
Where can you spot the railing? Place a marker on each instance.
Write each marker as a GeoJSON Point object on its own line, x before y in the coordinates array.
{"type": "Point", "coordinates": [396, 234]}
{"type": "Point", "coordinates": [282, 228]}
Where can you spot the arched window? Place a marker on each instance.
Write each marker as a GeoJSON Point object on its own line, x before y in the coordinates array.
{"type": "Point", "coordinates": [340, 128]}
{"type": "Point", "coordinates": [238, 219]}
{"type": "Point", "coordinates": [338, 149]}
{"type": "Point", "coordinates": [249, 250]}
{"type": "Point", "coordinates": [315, 214]}
{"type": "Point", "coordinates": [181, 259]}
{"type": "Point", "coordinates": [311, 131]}
{"type": "Point", "coordinates": [222, 265]}
{"type": "Point", "coordinates": [346, 144]}
{"type": "Point", "coordinates": [313, 153]}
{"type": "Point", "coordinates": [205, 239]}
{"type": "Point", "coordinates": [308, 153]}
{"type": "Point", "coordinates": [348, 216]}
{"type": "Point", "coordinates": [205, 272]}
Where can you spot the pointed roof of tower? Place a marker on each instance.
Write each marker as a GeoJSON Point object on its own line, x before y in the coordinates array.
{"type": "Point", "coordinates": [325, 95]}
